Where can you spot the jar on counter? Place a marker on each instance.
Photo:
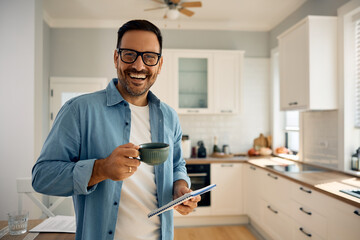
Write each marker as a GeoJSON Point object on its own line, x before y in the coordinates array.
{"type": "Point", "coordinates": [355, 160]}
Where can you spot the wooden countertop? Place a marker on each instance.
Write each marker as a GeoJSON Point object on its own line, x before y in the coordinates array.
{"type": "Point", "coordinates": [328, 181]}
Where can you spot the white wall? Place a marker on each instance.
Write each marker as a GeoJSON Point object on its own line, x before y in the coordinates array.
{"type": "Point", "coordinates": [17, 97]}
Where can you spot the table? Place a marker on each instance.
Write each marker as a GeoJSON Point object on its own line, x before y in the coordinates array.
{"type": "Point", "coordinates": [41, 236]}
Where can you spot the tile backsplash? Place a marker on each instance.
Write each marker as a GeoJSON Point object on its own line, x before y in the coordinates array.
{"type": "Point", "coordinates": [238, 131]}
{"type": "Point", "coordinates": [320, 141]}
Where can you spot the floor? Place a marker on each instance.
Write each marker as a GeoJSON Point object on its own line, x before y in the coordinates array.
{"type": "Point", "coordinates": [238, 232]}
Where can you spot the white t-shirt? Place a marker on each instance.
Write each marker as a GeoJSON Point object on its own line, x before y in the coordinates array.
{"type": "Point", "coordinates": [138, 193]}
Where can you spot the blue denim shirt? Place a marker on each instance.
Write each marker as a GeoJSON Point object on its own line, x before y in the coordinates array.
{"type": "Point", "coordinates": [90, 127]}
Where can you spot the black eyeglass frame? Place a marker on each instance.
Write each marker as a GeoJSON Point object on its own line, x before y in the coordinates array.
{"type": "Point", "coordinates": [137, 55]}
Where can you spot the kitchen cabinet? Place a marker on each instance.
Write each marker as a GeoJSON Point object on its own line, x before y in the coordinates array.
{"type": "Point", "coordinates": [226, 199]}
{"type": "Point", "coordinates": [276, 222]}
{"type": "Point", "coordinates": [344, 221]}
{"type": "Point", "coordinates": [253, 186]}
{"type": "Point", "coordinates": [307, 60]}
{"type": "Point", "coordinates": [200, 81]}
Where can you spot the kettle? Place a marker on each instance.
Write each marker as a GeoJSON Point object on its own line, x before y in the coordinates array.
{"type": "Point", "coordinates": [202, 150]}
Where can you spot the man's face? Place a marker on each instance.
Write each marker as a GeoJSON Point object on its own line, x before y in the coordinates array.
{"type": "Point", "coordinates": [136, 78]}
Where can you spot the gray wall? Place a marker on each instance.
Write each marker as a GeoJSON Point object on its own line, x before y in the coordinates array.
{"type": "Point", "coordinates": [89, 52]}
{"type": "Point", "coordinates": [310, 7]}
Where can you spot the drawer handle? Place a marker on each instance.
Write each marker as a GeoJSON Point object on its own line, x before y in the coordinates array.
{"type": "Point", "coordinates": [192, 111]}
{"type": "Point", "coordinates": [252, 168]}
{"type": "Point", "coordinates": [307, 234]}
{"type": "Point", "coordinates": [307, 191]}
{"type": "Point", "coordinates": [274, 211]}
{"type": "Point", "coordinates": [357, 212]}
{"type": "Point", "coordinates": [308, 213]}
{"type": "Point", "coordinates": [197, 174]}
{"type": "Point", "coordinates": [293, 103]}
{"type": "Point", "coordinates": [274, 177]}
{"type": "Point", "coordinates": [227, 165]}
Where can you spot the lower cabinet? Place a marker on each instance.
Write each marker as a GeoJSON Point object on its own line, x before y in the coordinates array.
{"type": "Point", "coordinates": [226, 198]}
{"type": "Point", "coordinates": [286, 210]}
{"type": "Point", "coordinates": [276, 222]}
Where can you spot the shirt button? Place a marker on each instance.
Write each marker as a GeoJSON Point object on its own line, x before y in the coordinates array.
{"type": "Point", "coordinates": [115, 203]}
{"type": "Point", "coordinates": [125, 104]}
{"type": "Point", "coordinates": [110, 232]}
{"type": "Point", "coordinates": [126, 123]}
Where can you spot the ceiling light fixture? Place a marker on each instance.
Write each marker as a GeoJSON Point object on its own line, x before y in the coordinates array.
{"type": "Point", "coordinates": [172, 14]}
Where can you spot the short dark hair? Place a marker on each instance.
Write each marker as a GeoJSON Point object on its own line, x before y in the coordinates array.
{"type": "Point", "coordinates": [139, 25]}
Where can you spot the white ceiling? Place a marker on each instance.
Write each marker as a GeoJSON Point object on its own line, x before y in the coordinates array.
{"type": "Point", "coordinates": [243, 15]}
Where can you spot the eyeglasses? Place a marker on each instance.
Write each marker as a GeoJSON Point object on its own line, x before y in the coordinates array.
{"type": "Point", "coordinates": [130, 56]}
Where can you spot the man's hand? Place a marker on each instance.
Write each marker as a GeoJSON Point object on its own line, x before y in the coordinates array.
{"type": "Point", "coordinates": [181, 188]}
{"type": "Point", "coordinates": [118, 166]}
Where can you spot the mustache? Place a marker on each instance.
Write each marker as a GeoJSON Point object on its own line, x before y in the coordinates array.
{"type": "Point", "coordinates": [127, 71]}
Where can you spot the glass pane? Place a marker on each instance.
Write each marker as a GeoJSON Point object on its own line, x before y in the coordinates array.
{"type": "Point", "coordinates": [65, 96]}
{"type": "Point", "coordinates": [193, 86]}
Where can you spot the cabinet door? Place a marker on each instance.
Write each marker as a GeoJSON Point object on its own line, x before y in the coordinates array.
{"type": "Point", "coordinates": [165, 83]}
{"type": "Point", "coordinates": [194, 74]}
{"type": "Point", "coordinates": [226, 199]}
{"type": "Point", "coordinates": [276, 223]}
{"type": "Point", "coordinates": [294, 69]}
{"type": "Point", "coordinates": [227, 82]}
{"type": "Point", "coordinates": [277, 191]}
{"type": "Point", "coordinates": [252, 191]}
{"type": "Point", "coordinates": [344, 222]}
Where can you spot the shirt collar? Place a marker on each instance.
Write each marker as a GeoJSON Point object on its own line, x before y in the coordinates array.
{"type": "Point", "coordinates": [114, 97]}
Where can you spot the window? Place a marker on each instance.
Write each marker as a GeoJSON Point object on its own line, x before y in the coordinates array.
{"type": "Point", "coordinates": [357, 69]}
{"type": "Point", "coordinates": [292, 131]}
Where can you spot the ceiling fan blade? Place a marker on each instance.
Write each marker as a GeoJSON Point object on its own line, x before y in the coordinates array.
{"type": "Point", "coordinates": [191, 4]}
{"type": "Point", "coordinates": [150, 9]}
{"type": "Point", "coordinates": [186, 12]}
{"type": "Point", "coordinates": [175, 1]}
{"type": "Point", "coordinates": [159, 1]}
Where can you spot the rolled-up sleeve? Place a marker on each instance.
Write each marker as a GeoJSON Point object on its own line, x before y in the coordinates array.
{"type": "Point", "coordinates": [58, 170]}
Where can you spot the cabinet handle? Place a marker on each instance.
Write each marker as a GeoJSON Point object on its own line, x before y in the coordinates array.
{"type": "Point", "coordinates": [252, 168]}
{"type": "Point", "coordinates": [274, 177]}
{"type": "Point", "coordinates": [226, 111]}
{"type": "Point", "coordinates": [308, 213]}
{"type": "Point", "coordinates": [293, 103]}
{"type": "Point", "coordinates": [307, 191]}
{"type": "Point", "coordinates": [274, 211]}
{"type": "Point", "coordinates": [357, 212]}
{"type": "Point", "coordinates": [192, 111]}
{"type": "Point", "coordinates": [197, 174]}
{"type": "Point", "coordinates": [226, 165]}
{"type": "Point", "coordinates": [307, 234]}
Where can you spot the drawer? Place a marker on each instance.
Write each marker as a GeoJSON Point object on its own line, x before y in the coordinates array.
{"type": "Point", "coordinates": [302, 233]}
{"type": "Point", "coordinates": [309, 218]}
{"type": "Point", "coordinates": [311, 198]}
{"type": "Point", "coordinates": [275, 222]}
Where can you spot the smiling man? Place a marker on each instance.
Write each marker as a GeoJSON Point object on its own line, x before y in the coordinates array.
{"type": "Point", "coordinates": [90, 153]}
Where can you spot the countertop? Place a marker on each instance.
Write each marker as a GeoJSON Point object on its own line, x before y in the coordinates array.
{"type": "Point", "coordinates": [327, 181]}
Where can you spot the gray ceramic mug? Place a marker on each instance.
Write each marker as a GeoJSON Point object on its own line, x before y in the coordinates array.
{"type": "Point", "coordinates": [153, 153]}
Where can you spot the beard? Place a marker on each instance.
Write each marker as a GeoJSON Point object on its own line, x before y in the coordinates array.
{"type": "Point", "coordinates": [131, 87]}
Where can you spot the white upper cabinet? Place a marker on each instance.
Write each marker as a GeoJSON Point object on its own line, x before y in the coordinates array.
{"type": "Point", "coordinates": [200, 81]}
{"type": "Point", "coordinates": [227, 78]}
{"type": "Point", "coordinates": [194, 74]}
{"type": "Point", "coordinates": [308, 70]}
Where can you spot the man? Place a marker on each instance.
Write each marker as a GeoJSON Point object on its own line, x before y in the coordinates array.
{"type": "Point", "coordinates": [91, 150]}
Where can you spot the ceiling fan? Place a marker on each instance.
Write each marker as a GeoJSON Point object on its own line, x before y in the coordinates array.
{"type": "Point", "coordinates": [175, 7]}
